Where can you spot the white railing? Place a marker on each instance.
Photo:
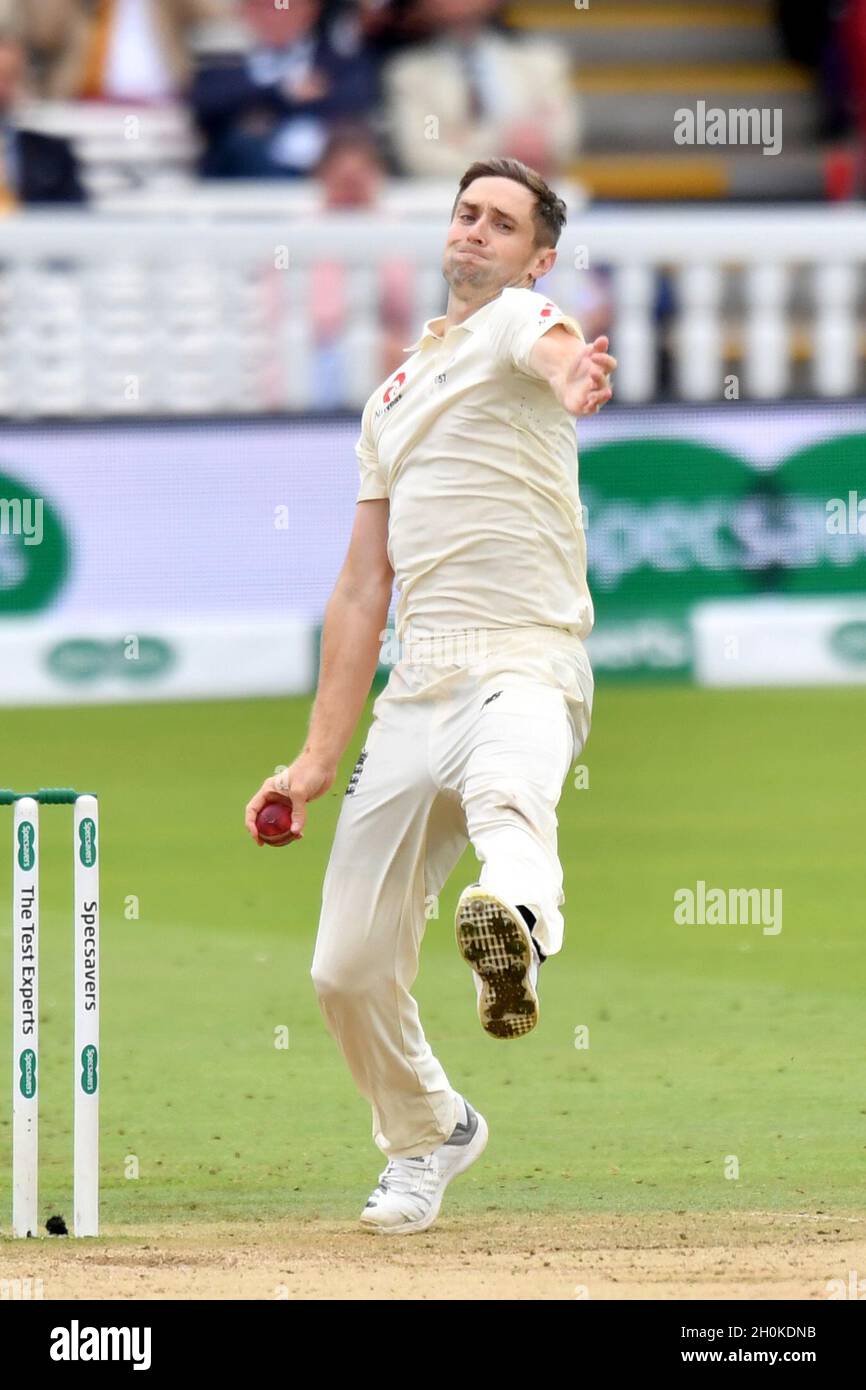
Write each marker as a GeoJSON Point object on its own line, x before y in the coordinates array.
{"type": "Point", "coordinates": [104, 315]}
{"type": "Point", "coordinates": [121, 147]}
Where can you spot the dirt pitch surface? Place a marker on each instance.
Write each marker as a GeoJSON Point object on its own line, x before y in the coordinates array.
{"type": "Point", "coordinates": [755, 1255]}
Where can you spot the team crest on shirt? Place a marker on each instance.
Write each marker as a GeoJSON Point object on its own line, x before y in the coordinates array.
{"type": "Point", "coordinates": [392, 395]}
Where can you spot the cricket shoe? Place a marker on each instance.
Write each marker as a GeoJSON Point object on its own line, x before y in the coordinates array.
{"type": "Point", "coordinates": [494, 939]}
{"type": "Point", "coordinates": [410, 1190]}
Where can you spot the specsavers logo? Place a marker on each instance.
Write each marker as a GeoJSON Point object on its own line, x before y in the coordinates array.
{"type": "Point", "coordinates": [848, 642]}
{"type": "Point", "coordinates": [674, 521]}
{"type": "Point", "coordinates": [26, 846]}
{"type": "Point", "coordinates": [87, 842]}
{"type": "Point", "coordinates": [87, 660]}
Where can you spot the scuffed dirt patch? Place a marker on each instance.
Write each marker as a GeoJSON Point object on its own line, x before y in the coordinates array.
{"type": "Point", "coordinates": [758, 1255]}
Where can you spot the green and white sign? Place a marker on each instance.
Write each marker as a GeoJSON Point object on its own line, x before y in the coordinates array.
{"type": "Point", "coordinates": [126, 576]}
{"type": "Point", "coordinates": [671, 521]}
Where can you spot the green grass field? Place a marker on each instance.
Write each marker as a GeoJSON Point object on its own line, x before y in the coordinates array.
{"type": "Point", "coordinates": [705, 1041]}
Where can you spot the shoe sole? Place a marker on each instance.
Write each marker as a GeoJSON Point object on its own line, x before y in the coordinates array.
{"type": "Point", "coordinates": [472, 1151]}
{"type": "Point", "coordinates": [499, 949]}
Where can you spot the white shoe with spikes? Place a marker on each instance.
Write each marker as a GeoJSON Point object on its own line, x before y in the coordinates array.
{"type": "Point", "coordinates": [492, 937]}
{"type": "Point", "coordinates": [410, 1190]}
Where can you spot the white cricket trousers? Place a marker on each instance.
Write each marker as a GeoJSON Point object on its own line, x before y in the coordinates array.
{"type": "Point", "coordinates": [470, 742]}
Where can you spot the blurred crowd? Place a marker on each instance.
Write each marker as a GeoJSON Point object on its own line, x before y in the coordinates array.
{"type": "Point", "coordinates": [828, 38]}
{"type": "Point", "coordinates": [427, 85]}
{"type": "Point", "coordinates": [347, 93]}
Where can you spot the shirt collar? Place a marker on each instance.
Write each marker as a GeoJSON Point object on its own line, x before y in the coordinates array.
{"type": "Point", "coordinates": [427, 332]}
{"type": "Point", "coordinates": [469, 324]}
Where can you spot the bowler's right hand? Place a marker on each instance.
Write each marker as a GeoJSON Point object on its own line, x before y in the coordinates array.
{"type": "Point", "coordinates": [306, 779]}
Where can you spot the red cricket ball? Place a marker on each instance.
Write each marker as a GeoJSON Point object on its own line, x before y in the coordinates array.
{"type": "Point", "coordinates": [274, 824]}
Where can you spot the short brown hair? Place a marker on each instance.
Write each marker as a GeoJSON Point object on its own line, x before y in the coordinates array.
{"type": "Point", "coordinates": [549, 212]}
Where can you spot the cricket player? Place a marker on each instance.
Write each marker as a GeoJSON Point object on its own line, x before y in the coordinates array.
{"type": "Point", "coordinates": [468, 496]}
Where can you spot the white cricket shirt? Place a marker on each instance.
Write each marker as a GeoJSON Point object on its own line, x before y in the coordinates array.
{"type": "Point", "coordinates": [479, 462]}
